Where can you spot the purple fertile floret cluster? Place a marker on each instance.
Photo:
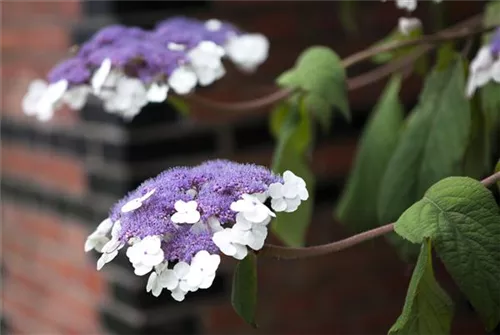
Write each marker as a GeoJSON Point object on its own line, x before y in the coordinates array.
{"type": "Point", "coordinates": [495, 43]}
{"type": "Point", "coordinates": [214, 185]}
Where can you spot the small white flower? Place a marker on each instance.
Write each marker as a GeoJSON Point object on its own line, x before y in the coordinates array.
{"type": "Point", "coordinates": [51, 100]}
{"type": "Point", "coordinates": [253, 210]}
{"type": "Point", "coordinates": [145, 254]}
{"type": "Point", "coordinates": [225, 241]}
{"type": "Point", "coordinates": [111, 248]}
{"type": "Point", "coordinates": [176, 47]}
{"type": "Point", "coordinates": [175, 280]}
{"type": "Point", "coordinates": [157, 92]}
{"type": "Point", "coordinates": [409, 5]}
{"type": "Point", "coordinates": [182, 80]}
{"type": "Point", "coordinates": [99, 78]}
{"type": "Point", "coordinates": [407, 25]}
{"type": "Point", "coordinates": [99, 237]}
{"type": "Point", "coordinates": [206, 61]}
{"type": "Point", "coordinates": [248, 233]}
{"type": "Point", "coordinates": [137, 202]}
{"type": "Point", "coordinates": [76, 97]}
{"type": "Point", "coordinates": [202, 271]}
{"type": "Point", "coordinates": [213, 25]}
{"type": "Point", "coordinates": [154, 285]}
{"type": "Point", "coordinates": [129, 98]}
{"type": "Point", "coordinates": [186, 212]}
{"type": "Point", "coordinates": [480, 70]}
{"type": "Point", "coordinates": [288, 196]}
{"type": "Point", "coordinates": [495, 71]}
{"type": "Point", "coordinates": [248, 51]}
{"type": "Point", "coordinates": [36, 90]}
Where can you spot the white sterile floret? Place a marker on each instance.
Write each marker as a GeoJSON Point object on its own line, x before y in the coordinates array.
{"type": "Point", "coordinates": [288, 196]}
{"type": "Point", "coordinates": [137, 202]}
{"type": "Point", "coordinates": [480, 70]}
{"type": "Point", "coordinates": [407, 25]}
{"type": "Point", "coordinates": [157, 92]}
{"type": "Point", "coordinates": [409, 5]}
{"type": "Point", "coordinates": [225, 240]}
{"type": "Point", "coordinates": [213, 25]}
{"type": "Point", "coordinates": [175, 280]}
{"type": "Point", "coordinates": [248, 51]}
{"type": "Point", "coordinates": [36, 90]}
{"type": "Point", "coordinates": [253, 210]}
{"type": "Point", "coordinates": [155, 285]}
{"type": "Point", "coordinates": [145, 254]}
{"type": "Point", "coordinates": [99, 78]}
{"type": "Point", "coordinates": [129, 98]}
{"type": "Point", "coordinates": [99, 237]}
{"type": "Point", "coordinates": [50, 100]}
{"type": "Point", "coordinates": [176, 46]}
{"type": "Point", "coordinates": [111, 248]}
{"type": "Point", "coordinates": [182, 80]}
{"type": "Point", "coordinates": [186, 212]}
{"type": "Point", "coordinates": [202, 271]}
{"type": "Point", "coordinates": [76, 97]}
{"type": "Point", "coordinates": [205, 59]}
{"type": "Point", "coordinates": [248, 233]}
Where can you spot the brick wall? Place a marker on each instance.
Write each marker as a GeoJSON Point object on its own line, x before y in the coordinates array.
{"type": "Point", "coordinates": [59, 179]}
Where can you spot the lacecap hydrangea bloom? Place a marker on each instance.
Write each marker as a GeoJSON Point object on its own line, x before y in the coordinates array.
{"type": "Point", "coordinates": [175, 225]}
{"type": "Point", "coordinates": [485, 67]}
{"type": "Point", "coordinates": [128, 67]}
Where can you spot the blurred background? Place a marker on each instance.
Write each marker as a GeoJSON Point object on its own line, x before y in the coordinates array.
{"type": "Point", "coordinates": [60, 178]}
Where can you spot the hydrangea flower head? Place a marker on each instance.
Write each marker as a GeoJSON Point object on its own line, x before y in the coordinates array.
{"type": "Point", "coordinates": [129, 67]}
{"type": "Point", "coordinates": [175, 225]}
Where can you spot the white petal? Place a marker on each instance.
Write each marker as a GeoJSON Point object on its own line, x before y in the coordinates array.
{"type": "Point", "coordinates": [262, 197]}
{"type": "Point", "coordinates": [169, 280]}
{"type": "Point", "coordinates": [157, 92]}
{"type": "Point", "coordinates": [303, 194]}
{"type": "Point", "coordinates": [290, 190]}
{"type": "Point", "coordinates": [176, 47]}
{"type": "Point", "coordinates": [157, 290]}
{"type": "Point", "coordinates": [161, 267]}
{"type": "Point", "coordinates": [76, 97]}
{"type": "Point", "coordinates": [152, 244]}
{"type": "Point", "coordinates": [153, 259]}
{"type": "Point", "coordinates": [112, 246]}
{"type": "Point", "coordinates": [495, 71]}
{"type": "Point", "coordinates": [214, 224]}
{"type": "Point", "coordinates": [178, 218]}
{"type": "Point", "coordinates": [131, 205]}
{"type": "Point", "coordinates": [115, 231]}
{"type": "Point", "coordinates": [289, 176]}
{"type": "Point", "coordinates": [181, 269]}
{"type": "Point", "coordinates": [199, 227]}
{"type": "Point", "coordinates": [241, 206]}
{"type": "Point", "coordinates": [148, 195]}
{"type": "Point", "coordinates": [258, 215]}
{"type": "Point", "coordinates": [222, 240]}
{"type": "Point", "coordinates": [55, 91]}
{"type": "Point", "coordinates": [100, 75]}
{"type": "Point", "coordinates": [207, 281]}
{"type": "Point", "coordinates": [192, 217]}
{"type": "Point", "coordinates": [248, 51]}
{"type": "Point", "coordinates": [279, 204]}
{"type": "Point", "coordinates": [106, 258]}
{"type": "Point", "coordinates": [180, 206]}
{"type": "Point", "coordinates": [141, 269]}
{"type": "Point", "coordinates": [213, 25]}
{"type": "Point", "coordinates": [153, 278]}
{"type": "Point", "coordinates": [178, 294]}
{"type": "Point", "coordinates": [182, 80]}
{"type": "Point", "coordinates": [292, 204]}
{"type": "Point", "coordinates": [191, 206]}
{"type": "Point", "coordinates": [194, 278]}
{"type": "Point", "coordinates": [408, 25]}
{"type": "Point", "coordinates": [105, 226]}
{"type": "Point", "coordinates": [241, 251]}
{"type": "Point", "coordinates": [36, 90]}
{"type": "Point", "coordinates": [135, 253]}
{"type": "Point", "coordinates": [275, 190]}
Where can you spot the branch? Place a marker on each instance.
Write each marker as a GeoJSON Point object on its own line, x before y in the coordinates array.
{"type": "Point", "coordinates": [287, 253]}
{"type": "Point", "coordinates": [463, 29]}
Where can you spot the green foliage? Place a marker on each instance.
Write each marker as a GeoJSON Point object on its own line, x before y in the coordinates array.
{"type": "Point", "coordinates": [294, 140]}
{"type": "Point", "coordinates": [497, 169]}
{"type": "Point", "coordinates": [427, 308]}
{"type": "Point", "coordinates": [491, 18]}
{"type": "Point", "coordinates": [490, 103]}
{"type": "Point", "coordinates": [432, 145]}
{"type": "Point", "coordinates": [477, 160]}
{"type": "Point", "coordinates": [244, 290]}
{"type": "Point", "coordinates": [462, 219]}
{"type": "Point", "coordinates": [319, 74]}
{"type": "Point", "coordinates": [358, 206]}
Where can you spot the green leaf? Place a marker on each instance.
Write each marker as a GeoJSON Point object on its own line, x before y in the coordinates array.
{"type": "Point", "coordinates": [179, 104]}
{"type": "Point", "coordinates": [319, 73]}
{"type": "Point", "coordinates": [491, 18]}
{"type": "Point", "coordinates": [462, 219]}
{"type": "Point", "coordinates": [395, 36]}
{"type": "Point", "coordinates": [290, 155]}
{"type": "Point", "coordinates": [427, 308]}
{"type": "Point", "coordinates": [497, 169]}
{"type": "Point", "coordinates": [490, 103]}
{"type": "Point", "coordinates": [432, 145]}
{"type": "Point", "coordinates": [244, 291]}
{"type": "Point", "coordinates": [358, 205]}
{"type": "Point", "coordinates": [477, 160]}
{"type": "Point", "coordinates": [278, 118]}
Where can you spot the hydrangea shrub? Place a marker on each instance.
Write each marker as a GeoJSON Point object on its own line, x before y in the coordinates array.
{"type": "Point", "coordinates": [416, 177]}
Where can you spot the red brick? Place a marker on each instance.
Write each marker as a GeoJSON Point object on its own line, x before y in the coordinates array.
{"type": "Point", "coordinates": [48, 37]}
{"type": "Point", "coordinates": [44, 167]}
